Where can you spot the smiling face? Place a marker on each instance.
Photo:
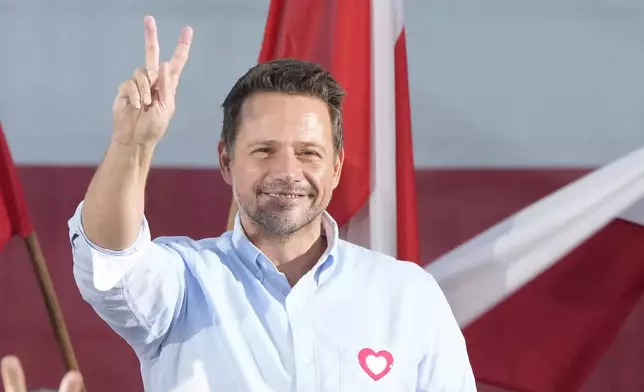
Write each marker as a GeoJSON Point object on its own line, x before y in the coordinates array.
{"type": "Point", "coordinates": [283, 168]}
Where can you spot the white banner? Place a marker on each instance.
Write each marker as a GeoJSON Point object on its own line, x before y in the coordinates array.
{"type": "Point", "coordinates": [482, 272]}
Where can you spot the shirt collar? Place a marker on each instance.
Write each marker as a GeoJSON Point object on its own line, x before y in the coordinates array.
{"type": "Point", "coordinates": [256, 261]}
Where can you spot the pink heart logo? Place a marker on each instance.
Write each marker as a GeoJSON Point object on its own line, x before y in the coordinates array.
{"type": "Point", "coordinates": [375, 364]}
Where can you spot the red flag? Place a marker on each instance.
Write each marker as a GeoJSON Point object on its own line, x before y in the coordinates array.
{"type": "Point", "coordinates": [14, 219]}
{"type": "Point", "coordinates": [362, 44]}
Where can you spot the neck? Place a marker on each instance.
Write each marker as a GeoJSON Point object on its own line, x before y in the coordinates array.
{"type": "Point", "coordinates": [294, 255]}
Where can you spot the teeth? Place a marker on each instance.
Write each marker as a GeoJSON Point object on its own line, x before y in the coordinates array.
{"type": "Point", "coordinates": [282, 195]}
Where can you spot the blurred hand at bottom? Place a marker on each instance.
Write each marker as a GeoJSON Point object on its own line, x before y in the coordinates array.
{"type": "Point", "coordinates": [13, 377]}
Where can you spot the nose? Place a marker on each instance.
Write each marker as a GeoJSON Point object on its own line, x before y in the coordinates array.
{"type": "Point", "coordinates": [285, 166]}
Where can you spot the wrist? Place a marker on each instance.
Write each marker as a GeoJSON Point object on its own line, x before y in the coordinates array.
{"type": "Point", "coordinates": [132, 149]}
{"type": "Point", "coordinates": [139, 154]}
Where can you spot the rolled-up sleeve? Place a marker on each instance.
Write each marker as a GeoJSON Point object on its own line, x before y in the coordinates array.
{"type": "Point", "coordinates": [137, 291]}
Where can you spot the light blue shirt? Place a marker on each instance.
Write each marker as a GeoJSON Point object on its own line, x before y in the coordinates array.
{"type": "Point", "coordinates": [216, 315]}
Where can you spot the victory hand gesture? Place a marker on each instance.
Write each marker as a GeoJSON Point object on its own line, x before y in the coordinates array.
{"type": "Point", "coordinates": [145, 104]}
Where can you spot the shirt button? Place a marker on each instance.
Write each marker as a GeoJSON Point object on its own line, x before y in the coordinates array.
{"type": "Point", "coordinates": [306, 358]}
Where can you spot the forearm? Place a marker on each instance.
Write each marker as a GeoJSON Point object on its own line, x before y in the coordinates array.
{"type": "Point", "coordinates": [114, 203]}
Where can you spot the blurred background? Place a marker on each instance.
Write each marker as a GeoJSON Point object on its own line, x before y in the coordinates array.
{"type": "Point", "coordinates": [510, 100]}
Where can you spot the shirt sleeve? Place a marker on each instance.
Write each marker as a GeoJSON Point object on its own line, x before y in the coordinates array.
{"type": "Point", "coordinates": [138, 292]}
{"type": "Point", "coordinates": [446, 366]}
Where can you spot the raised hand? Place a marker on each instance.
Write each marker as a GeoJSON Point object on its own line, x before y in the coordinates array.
{"type": "Point", "coordinates": [145, 104]}
{"type": "Point", "coordinates": [13, 378]}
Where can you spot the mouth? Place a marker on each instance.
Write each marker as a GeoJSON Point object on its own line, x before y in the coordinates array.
{"type": "Point", "coordinates": [285, 195]}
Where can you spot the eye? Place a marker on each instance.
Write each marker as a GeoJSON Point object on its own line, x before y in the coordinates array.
{"type": "Point", "coordinates": [262, 150]}
{"type": "Point", "coordinates": [310, 153]}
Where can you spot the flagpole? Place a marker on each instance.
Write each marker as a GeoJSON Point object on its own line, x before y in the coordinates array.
{"type": "Point", "coordinates": [51, 302]}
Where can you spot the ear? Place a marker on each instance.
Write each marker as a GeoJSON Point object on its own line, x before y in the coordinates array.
{"type": "Point", "coordinates": [337, 168]}
{"type": "Point", "coordinates": [225, 160]}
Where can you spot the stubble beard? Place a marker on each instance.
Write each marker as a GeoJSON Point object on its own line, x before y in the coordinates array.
{"type": "Point", "coordinates": [276, 222]}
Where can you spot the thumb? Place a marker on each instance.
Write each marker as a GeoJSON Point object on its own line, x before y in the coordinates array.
{"type": "Point", "coordinates": [166, 90]}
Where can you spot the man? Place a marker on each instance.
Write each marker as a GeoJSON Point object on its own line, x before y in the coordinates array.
{"type": "Point", "coordinates": [279, 303]}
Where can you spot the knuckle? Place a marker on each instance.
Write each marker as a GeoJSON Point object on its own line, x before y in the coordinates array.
{"type": "Point", "coordinates": [141, 74]}
{"type": "Point", "coordinates": [132, 89]}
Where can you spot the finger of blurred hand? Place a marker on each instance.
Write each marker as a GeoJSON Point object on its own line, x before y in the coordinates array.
{"type": "Point", "coordinates": [13, 378]}
{"type": "Point", "coordinates": [151, 43]}
{"type": "Point", "coordinates": [72, 382]}
{"type": "Point", "coordinates": [144, 86]}
{"type": "Point", "coordinates": [180, 56]}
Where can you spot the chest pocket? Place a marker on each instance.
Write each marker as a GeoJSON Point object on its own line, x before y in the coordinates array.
{"type": "Point", "coordinates": [356, 368]}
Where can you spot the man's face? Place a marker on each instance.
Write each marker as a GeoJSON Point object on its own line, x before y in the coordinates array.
{"type": "Point", "coordinates": [284, 169]}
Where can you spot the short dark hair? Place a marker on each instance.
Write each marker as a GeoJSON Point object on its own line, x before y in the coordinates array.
{"type": "Point", "coordinates": [285, 76]}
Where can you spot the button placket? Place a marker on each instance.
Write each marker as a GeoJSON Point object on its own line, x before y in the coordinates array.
{"type": "Point", "coordinates": [303, 341]}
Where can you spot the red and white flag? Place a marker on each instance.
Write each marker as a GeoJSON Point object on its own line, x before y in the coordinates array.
{"type": "Point", "coordinates": [543, 294]}
{"type": "Point", "coordinates": [362, 44]}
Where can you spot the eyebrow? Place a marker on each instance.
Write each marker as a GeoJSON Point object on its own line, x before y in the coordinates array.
{"type": "Point", "coordinates": [258, 143]}
{"type": "Point", "coordinates": [311, 144]}
{"type": "Point", "coordinates": [275, 142]}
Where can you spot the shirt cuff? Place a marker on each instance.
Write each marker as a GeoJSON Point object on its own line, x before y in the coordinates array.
{"type": "Point", "coordinates": [108, 266]}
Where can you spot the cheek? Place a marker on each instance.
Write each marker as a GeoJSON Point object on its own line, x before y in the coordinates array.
{"type": "Point", "coordinates": [322, 179]}
{"type": "Point", "coordinates": [244, 177]}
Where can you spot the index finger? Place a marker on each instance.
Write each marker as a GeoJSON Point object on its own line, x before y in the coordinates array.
{"type": "Point", "coordinates": [151, 44]}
